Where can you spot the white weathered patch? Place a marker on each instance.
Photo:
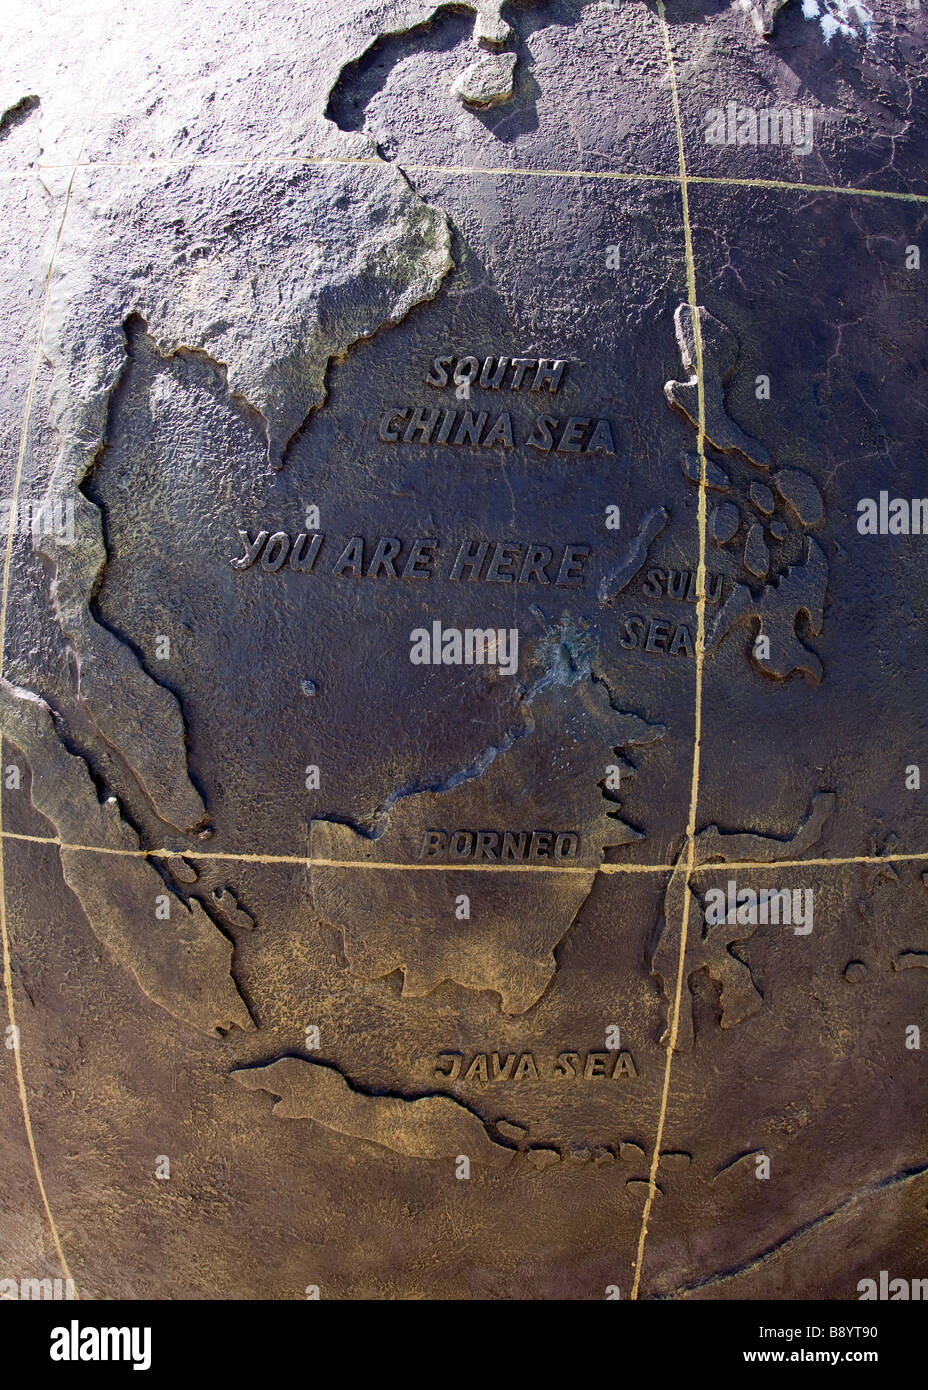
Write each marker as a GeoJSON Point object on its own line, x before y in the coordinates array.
{"type": "Point", "coordinates": [848, 17]}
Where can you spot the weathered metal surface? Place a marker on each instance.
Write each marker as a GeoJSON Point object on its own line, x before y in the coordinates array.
{"type": "Point", "coordinates": [453, 613]}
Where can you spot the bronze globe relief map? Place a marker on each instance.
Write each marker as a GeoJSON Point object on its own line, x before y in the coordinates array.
{"type": "Point", "coordinates": [463, 667]}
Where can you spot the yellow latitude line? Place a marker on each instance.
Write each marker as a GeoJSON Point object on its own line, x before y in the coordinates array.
{"type": "Point", "coordinates": [494, 171]}
{"type": "Point", "coordinates": [308, 861]}
{"type": "Point", "coordinates": [688, 866]}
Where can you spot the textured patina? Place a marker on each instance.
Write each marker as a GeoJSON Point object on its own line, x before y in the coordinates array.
{"type": "Point", "coordinates": [326, 326]}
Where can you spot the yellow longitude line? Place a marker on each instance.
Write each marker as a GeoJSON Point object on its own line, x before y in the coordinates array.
{"type": "Point", "coordinates": [682, 179]}
{"type": "Point", "coordinates": [699, 652]}
{"type": "Point", "coordinates": [4, 597]}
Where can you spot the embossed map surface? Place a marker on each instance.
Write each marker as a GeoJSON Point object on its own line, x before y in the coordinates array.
{"type": "Point", "coordinates": [462, 629]}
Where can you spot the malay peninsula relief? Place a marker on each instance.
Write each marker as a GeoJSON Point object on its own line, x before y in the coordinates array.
{"type": "Point", "coordinates": [462, 634]}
